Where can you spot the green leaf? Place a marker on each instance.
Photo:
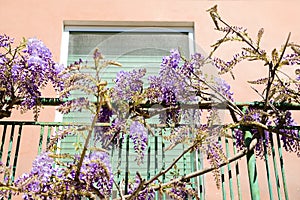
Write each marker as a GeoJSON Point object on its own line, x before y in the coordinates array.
{"type": "Point", "coordinates": [214, 15]}
{"type": "Point", "coordinates": [259, 36]}
{"type": "Point", "coordinates": [259, 81]}
{"type": "Point", "coordinates": [275, 57]}
{"type": "Point", "coordinates": [296, 49]}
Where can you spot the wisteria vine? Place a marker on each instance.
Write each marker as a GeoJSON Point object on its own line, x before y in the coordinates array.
{"type": "Point", "coordinates": [25, 69]}
{"type": "Point", "coordinates": [174, 96]}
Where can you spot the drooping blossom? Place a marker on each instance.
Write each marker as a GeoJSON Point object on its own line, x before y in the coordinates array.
{"type": "Point", "coordinates": [47, 180]}
{"type": "Point", "coordinates": [178, 191]}
{"type": "Point", "coordinates": [5, 40]}
{"type": "Point", "coordinates": [264, 140]}
{"type": "Point", "coordinates": [181, 190]}
{"type": "Point", "coordinates": [224, 88]}
{"type": "Point", "coordinates": [292, 59]}
{"type": "Point", "coordinates": [24, 71]}
{"type": "Point", "coordinates": [101, 132]}
{"type": "Point", "coordinates": [170, 86]}
{"type": "Point", "coordinates": [75, 105]}
{"type": "Point", "coordinates": [170, 82]}
{"type": "Point", "coordinates": [139, 135]}
{"type": "Point", "coordinates": [290, 144]}
{"type": "Point", "coordinates": [146, 194]}
{"type": "Point", "coordinates": [128, 84]}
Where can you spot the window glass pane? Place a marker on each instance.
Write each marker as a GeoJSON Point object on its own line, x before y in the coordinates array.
{"type": "Point", "coordinates": [116, 44]}
{"type": "Point", "coordinates": [131, 49]}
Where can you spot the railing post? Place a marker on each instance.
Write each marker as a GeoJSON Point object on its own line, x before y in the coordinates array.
{"type": "Point", "coordinates": [252, 170]}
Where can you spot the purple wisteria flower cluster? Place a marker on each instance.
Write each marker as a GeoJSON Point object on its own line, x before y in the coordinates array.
{"type": "Point", "coordinates": [181, 81]}
{"type": "Point", "coordinates": [224, 88]}
{"type": "Point", "coordinates": [145, 194]}
{"type": "Point", "coordinates": [102, 132]}
{"type": "Point", "coordinates": [24, 71]}
{"type": "Point", "coordinates": [113, 134]}
{"type": "Point", "coordinates": [128, 84]}
{"type": "Point", "coordinates": [47, 180]}
{"type": "Point", "coordinates": [139, 135]}
{"type": "Point", "coordinates": [170, 85]}
{"type": "Point", "coordinates": [283, 122]}
{"type": "Point", "coordinates": [181, 190]}
{"type": "Point", "coordinates": [263, 144]}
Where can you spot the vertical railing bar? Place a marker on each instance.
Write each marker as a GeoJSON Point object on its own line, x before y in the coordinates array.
{"type": "Point", "coordinates": [192, 164]}
{"type": "Point", "coordinates": [229, 170]}
{"type": "Point", "coordinates": [275, 168]}
{"type": "Point", "coordinates": [127, 165]}
{"type": "Point", "coordinates": [149, 158]}
{"type": "Point", "coordinates": [282, 168]}
{"type": "Point", "coordinates": [49, 135]}
{"type": "Point", "coordinates": [268, 169]}
{"type": "Point", "coordinates": [163, 161]}
{"type": "Point", "coordinates": [41, 139]}
{"type": "Point", "coordinates": [17, 152]}
{"type": "Point", "coordinates": [119, 171]}
{"type": "Point", "coordinates": [3, 140]}
{"type": "Point", "coordinates": [155, 155]}
{"type": "Point", "coordinates": [251, 165]}
{"type": "Point", "coordinates": [237, 172]}
{"type": "Point", "coordinates": [184, 160]}
{"type": "Point", "coordinates": [222, 178]}
{"type": "Point", "coordinates": [11, 139]}
{"type": "Point", "coordinates": [156, 160]}
{"type": "Point", "coordinates": [58, 150]}
{"type": "Point", "coordinates": [112, 162]}
{"type": "Point", "coordinates": [163, 157]}
{"type": "Point", "coordinates": [201, 188]}
{"type": "Point", "coordinates": [10, 144]}
{"type": "Point", "coordinates": [252, 169]}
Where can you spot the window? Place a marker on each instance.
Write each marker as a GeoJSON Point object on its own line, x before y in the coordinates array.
{"type": "Point", "coordinates": [133, 47]}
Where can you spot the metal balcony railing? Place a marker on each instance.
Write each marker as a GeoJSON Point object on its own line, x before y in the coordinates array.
{"type": "Point", "coordinates": [239, 178]}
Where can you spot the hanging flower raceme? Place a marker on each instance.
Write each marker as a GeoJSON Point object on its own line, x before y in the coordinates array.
{"type": "Point", "coordinates": [170, 83]}
{"type": "Point", "coordinates": [101, 132]}
{"type": "Point", "coordinates": [288, 135]}
{"type": "Point", "coordinates": [24, 71]}
{"type": "Point", "coordinates": [47, 180]}
{"type": "Point", "coordinates": [96, 173]}
{"type": "Point", "coordinates": [128, 84]}
{"type": "Point", "coordinates": [139, 135]}
{"type": "Point", "coordinates": [146, 194]}
{"type": "Point", "coordinates": [263, 144]}
{"type": "Point", "coordinates": [223, 88]}
{"type": "Point", "coordinates": [181, 190]}
{"type": "Point", "coordinates": [171, 86]}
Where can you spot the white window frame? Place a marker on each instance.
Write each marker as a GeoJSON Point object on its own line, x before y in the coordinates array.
{"type": "Point", "coordinates": [106, 26]}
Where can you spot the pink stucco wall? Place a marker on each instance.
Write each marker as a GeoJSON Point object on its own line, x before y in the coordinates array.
{"type": "Point", "coordinates": [45, 19]}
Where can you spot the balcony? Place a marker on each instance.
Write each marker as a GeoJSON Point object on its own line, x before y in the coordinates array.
{"type": "Point", "coordinates": [244, 176]}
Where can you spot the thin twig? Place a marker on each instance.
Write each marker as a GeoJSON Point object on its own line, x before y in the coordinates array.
{"type": "Point", "coordinates": [206, 170]}
{"type": "Point", "coordinates": [119, 190]}
{"type": "Point", "coordinates": [171, 165]}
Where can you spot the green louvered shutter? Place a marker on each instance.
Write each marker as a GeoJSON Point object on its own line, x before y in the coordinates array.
{"type": "Point", "coordinates": [134, 50]}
